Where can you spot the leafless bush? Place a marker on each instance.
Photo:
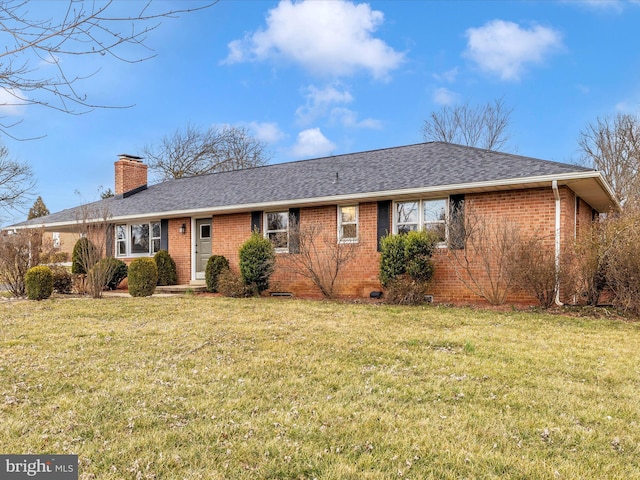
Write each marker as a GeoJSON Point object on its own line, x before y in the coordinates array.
{"type": "Point", "coordinates": [622, 260]}
{"type": "Point", "coordinates": [319, 256]}
{"type": "Point", "coordinates": [481, 249]}
{"type": "Point", "coordinates": [590, 263]}
{"type": "Point", "coordinates": [230, 284]}
{"type": "Point", "coordinates": [18, 252]}
{"type": "Point", "coordinates": [404, 290]}
{"type": "Point", "coordinates": [533, 268]}
{"type": "Point", "coordinates": [94, 224]}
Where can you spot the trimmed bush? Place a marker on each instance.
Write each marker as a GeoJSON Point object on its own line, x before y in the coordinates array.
{"type": "Point", "coordinates": [83, 251]}
{"type": "Point", "coordinates": [392, 259]}
{"type": "Point", "coordinates": [62, 281]}
{"type": "Point", "coordinates": [116, 271]}
{"type": "Point", "coordinates": [166, 268]}
{"type": "Point", "coordinates": [39, 282]}
{"type": "Point", "coordinates": [230, 284]}
{"type": "Point", "coordinates": [257, 262]}
{"type": "Point", "coordinates": [408, 254]}
{"type": "Point", "coordinates": [418, 249]}
{"type": "Point", "coordinates": [143, 277]}
{"type": "Point", "coordinates": [215, 266]}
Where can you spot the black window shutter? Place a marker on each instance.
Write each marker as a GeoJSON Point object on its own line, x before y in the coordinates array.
{"type": "Point", "coordinates": [110, 239]}
{"type": "Point", "coordinates": [456, 222]}
{"type": "Point", "coordinates": [294, 229]}
{"type": "Point", "coordinates": [164, 235]}
{"type": "Point", "coordinates": [256, 221]}
{"type": "Point", "coordinates": [384, 219]}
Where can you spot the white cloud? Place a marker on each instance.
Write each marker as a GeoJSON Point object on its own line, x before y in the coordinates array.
{"type": "Point", "coordinates": [12, 102]}
{"type": "Point", "coordinates": [449, 76]}
{"type": "Point", "coordinates": [326, 38]}
{"type": "Point", "coordinates": [319, 102]}
{"type": "Point", "coordinates": [505, 49]}
{"type": "Point", "coordinates": [267, 131]}
{"type": "Point", "coordinates": [312, 143]}
{"type": "Point", "coordinates": [322, 103]}
{"type": "Point", "coordinates": [444, 96]}
{"type": "Point", "coordinates": [628, 106]}
{"type": "Point", "coordinates": [349, 118]}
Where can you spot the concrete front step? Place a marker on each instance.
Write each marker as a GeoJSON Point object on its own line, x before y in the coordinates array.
{"type": "Point", "coordinates": [198, 288]}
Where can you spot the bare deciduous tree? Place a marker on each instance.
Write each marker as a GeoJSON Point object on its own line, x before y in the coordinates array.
{"type": "Point", "coordinates": [481, 251]}
{"type": "Point", "coordinates": [39, 42]}
{"type": "Point", "coordinates": [612, 145]}
{"type": "Point", "coordinates": [319, 256]}
{"type": "Point", "coordinates": [18, 253]}
{"type": "Point", "coordinates": [195, 151]}
{"type": "Point", "coordinates": [483, 126]}
{"type": "Point", "coordinates": [16, 181]}
{"type": "Point", "coordinates": [94, 223]}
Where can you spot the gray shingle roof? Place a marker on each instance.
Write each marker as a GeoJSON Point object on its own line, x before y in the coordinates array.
{"type": "Point", "coordinates": [434, 164]}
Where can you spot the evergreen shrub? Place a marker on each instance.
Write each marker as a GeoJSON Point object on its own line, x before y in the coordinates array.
{"type": "Point", "coordinates": [39, 282]}
{"type": "Point", "coordinates": [116, 269]}
{"type": "Point", "coordinates": [62, 281]}
{"type": "Point", "coordinates": [83, 251]}
{"type": "Point", "coordinates": [167, 274]}
{"type": "Point", "coordinates": [143, 277]}
{"type": "Point", "coordinates": [257, 262]}
{"type": "Point", "coordinates": [215, 266]}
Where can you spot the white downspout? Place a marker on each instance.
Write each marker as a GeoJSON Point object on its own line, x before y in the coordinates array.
{"type": "Point", "coordinates": [556, 194]}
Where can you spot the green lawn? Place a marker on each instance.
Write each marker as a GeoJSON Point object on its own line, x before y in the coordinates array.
{"type": "Point", "coordinates": [200, 387]}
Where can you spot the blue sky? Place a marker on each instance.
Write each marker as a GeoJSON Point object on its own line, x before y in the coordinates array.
{"type": "Point", "coordinates": [320, 78]}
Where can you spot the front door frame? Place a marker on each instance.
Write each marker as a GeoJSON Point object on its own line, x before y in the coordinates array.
{"type": "Point", "coordinates": [194, 236]}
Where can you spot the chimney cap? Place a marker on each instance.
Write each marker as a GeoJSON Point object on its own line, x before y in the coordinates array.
{"type": "Point", "coordinates": [126, 156]}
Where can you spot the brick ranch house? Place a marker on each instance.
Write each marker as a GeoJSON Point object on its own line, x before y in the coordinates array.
{"type": "Point", "coordinates": [358, 198]}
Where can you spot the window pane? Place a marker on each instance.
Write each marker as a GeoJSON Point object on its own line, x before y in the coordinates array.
{"type": "Point", "coordinates": [156, 229]}
{"type": "Point", "coordinates": [277, 221]}
{"type": "Point", "coordinates": [348, 214]}
{"type": "Point", "coordinates": [156, 245]}
{"type": "Point", "coordinates": [122, 232]}
{"type": "Point", "coordinates": [122, 249]}
{"type": "Point", "coordinates": [279, 239]}
{"type": "Point", "coordinates": [140, 238]}
{"type": "Point", "coordinates": [349, 231]}
{"type": "Point", "coordinates": [435, 210]}
{"type": "Point", "coordinates": [438, 228]}
{"type": "Point", "coordinates": [205, 231]}
{"type": "Point", "coordinates": [407, 228]}
{"type": "Point", "coordinates": [407, 212]}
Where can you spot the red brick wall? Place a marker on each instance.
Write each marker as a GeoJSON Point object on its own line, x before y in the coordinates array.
{"type": "Point", "coordinates": [129, 174]}
{"type": "Point", "coordinates": [180, 248]}
{"type": "Point", "coordinates": [533, 211]}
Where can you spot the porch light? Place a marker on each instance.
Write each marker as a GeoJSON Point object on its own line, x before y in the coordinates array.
{"type": "Point", "coordinates": [183, 228]}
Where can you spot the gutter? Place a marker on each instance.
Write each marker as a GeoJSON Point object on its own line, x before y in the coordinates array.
{"type": "Point", "coordinates": [556, 194]}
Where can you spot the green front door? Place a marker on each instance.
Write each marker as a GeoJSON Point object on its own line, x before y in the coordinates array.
{"type": "Point", "coordinates": [203, 245]}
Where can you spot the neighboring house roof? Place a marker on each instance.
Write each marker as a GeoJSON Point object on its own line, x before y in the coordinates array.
{"type": "Point", "coordinates": [392, 173]}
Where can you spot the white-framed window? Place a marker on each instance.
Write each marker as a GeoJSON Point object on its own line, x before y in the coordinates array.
{"type": "Point", "coordinates": [55, 237]}
{"type": "Point", "coordinates": [406, 216]}
{"type": "Point", "coordinates": [276, 229]}
{"type": "Point", "coordinates": [348, 224]}
{"type": "Point", "coordinates": [434, 216]}
{"type": "Point", "coordinates": [428, 214]}
{"type": "Point", "coordinates": [137, 239]}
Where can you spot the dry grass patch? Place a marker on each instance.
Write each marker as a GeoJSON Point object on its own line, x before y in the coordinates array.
{"type": "Point", "coordinates": [202, 387]}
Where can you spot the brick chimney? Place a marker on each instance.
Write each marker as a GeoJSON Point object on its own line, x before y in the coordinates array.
{"type": "Point", "coordinates": [131, 174]}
